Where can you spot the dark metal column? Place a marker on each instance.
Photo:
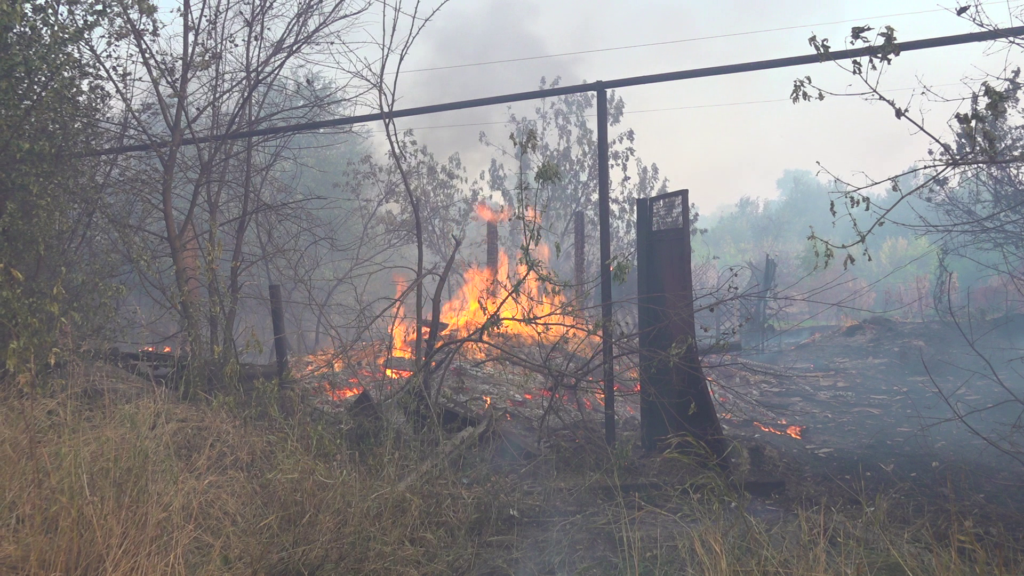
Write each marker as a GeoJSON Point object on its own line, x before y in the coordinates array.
{"type": "Point", "coordinates": [674, 396]}
{"type": "Point", "coordinates": [606, 259]}
{"type": "Point", "coordinates": [280, 340]}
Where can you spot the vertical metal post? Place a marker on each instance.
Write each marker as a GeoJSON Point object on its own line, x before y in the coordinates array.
{"type": "Point", "coordinates": [604, 214]}
{"type": "Point", "coordinates": [651, 419]}
{"type": "Point", "coordinates": [762, 304]}
{"type": "Point", "coordinates": [674, 395]}
{"type": "Point", "coordinates": [280, 340]}
{"type": "Point", "coordinates": [492, 248]}
{"type": "Point", "coordinates": [580, 260]}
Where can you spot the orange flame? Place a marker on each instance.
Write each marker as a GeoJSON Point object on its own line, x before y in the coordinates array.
{"type": "Point", "coordinates": [342, 393]}
{"type": "Point", "coordinates": [515, 303]}
{"type": "Point", "coordinates": [792, 431]}
{"type": "Point", "coordinates": [396, 373]}
{"type": "Point", "coordinates": [525, 307]}
{"type": "Point", "coordinates": [487, 214]}
{"type": "Point", "coordinates": [323, 362]}
{"type": "Point", "coordinates": [513, 298]}
{"type": "Point", "coordinates": [164, 350]}
{"type": "Point", "coordinates": [403, 333]}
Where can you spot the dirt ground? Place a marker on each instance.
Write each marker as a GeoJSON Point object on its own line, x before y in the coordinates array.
{"type": "Point", "coordinates": [863, 398]}
{"type": "Point", "coordinates": [869, 397]}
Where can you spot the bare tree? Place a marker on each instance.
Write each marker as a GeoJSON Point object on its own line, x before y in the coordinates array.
{"type": "Point", "coordinates": [212, 68]}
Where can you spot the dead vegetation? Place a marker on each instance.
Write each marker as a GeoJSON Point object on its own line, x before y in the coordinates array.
{"type": "Point", "coordinates": [106, 474]}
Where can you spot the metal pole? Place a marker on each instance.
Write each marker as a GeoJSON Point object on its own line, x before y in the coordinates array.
{"type": "Point", "coordinates": [280, 340]}
{"type": "Point", "coordinates": [606, 259]}
{"type": "Point", "coordinates": [985, 36]}
{"type": "Point", "coordinates": [652, 421]}
{"type": "Point", "coordinates": [580, 260]}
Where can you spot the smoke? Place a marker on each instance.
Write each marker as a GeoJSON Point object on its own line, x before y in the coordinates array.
{"type": "Point", "coordinates": [479, 31]}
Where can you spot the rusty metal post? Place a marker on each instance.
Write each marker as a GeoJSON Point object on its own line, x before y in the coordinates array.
{"type": "Point", "coordinates": [280, 340]}
{"type": "Point", "coordinates": [580, 260]}
{"type": "Point", "coordinates": [674, 396]}
{"type": "Point", "coordinates": [604, 216]}
{"type": "Point", "coordinates": [492, 248]}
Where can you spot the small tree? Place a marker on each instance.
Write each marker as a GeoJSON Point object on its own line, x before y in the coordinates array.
{"type": "Point", "coordinates": [53, 272]}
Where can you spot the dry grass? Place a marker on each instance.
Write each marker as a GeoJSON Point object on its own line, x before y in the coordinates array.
{"type": "Point", "coordinates": [816, 541]}
{"type": "Point", "coordinates": [714, 531]}
{"type": "Point", "coordinates": [154, 486]}
{"type": "Point", "coordinates": [125, 481]}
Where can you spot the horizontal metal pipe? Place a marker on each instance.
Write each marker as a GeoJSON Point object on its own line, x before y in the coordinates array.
{"type": "Point", "coordinates": [938, 42]}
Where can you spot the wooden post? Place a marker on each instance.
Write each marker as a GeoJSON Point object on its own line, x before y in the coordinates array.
{"type": "Point", "coordinates": [280, 340]}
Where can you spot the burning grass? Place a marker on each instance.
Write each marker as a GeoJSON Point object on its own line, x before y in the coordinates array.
{"type": "Point", "coordinates": [139, 483]}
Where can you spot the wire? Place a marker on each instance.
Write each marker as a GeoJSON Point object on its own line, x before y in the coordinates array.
{"type": "Point", "coordinates": [680, 41]}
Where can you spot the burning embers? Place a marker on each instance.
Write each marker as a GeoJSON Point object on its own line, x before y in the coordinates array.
{"type": "Point", "coordinates": [397, 373]}
{"type": "Point", "coordinates": [339, 381]}
{"type": "Point", "coordinates": [792, 431]}
{"type": "Point", "coordinates": [782, 428]}
{"type": "Point", "coordinates": [164, 350]}
{"type": "Point", "coordinates": [342, 393]}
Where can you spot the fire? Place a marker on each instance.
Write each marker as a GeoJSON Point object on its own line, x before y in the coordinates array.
{"type": "Point", "coordinates": [515, 303]}
{"type": "Point", "coordinates": [323, 362]}
{"type": "Point", "coordinates": [342, 393]}
{"type": "Point", "coordinates": [396, 373]}
{"type": "Point", "coordinates": [487, 214]}
{"type": "Point", "coordinates": [519, 304]}
{"type": "Point", "coordinates": [403, 333]}
{"type": "Point", "coordinates": [530, 311]}
{"type": "Point", "coordinates": [796, 431]}
{"type": "Point", "coordinates": [164, 350]}
{"type": "Point", "coordinates": [792, 431]}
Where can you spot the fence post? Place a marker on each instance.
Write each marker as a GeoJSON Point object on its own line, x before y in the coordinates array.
{"type": "Point", "coordinates": [674, 395]}
{"type": "Point", "coordinates": [604, 215]}
{"type": "Point", "coordinates": [580, 260]}
{"type": "Point", "coordinates": [280, 340]}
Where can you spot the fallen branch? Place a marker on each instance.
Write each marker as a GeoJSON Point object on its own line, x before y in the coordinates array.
{"type": "Point", "coordinates": [460, 439]}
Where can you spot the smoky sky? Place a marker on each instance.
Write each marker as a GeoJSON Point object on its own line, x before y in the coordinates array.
{"type": "Point", "coordinates": [478, 31]}
{"type": "Point", "coordinates": [722, 138]}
